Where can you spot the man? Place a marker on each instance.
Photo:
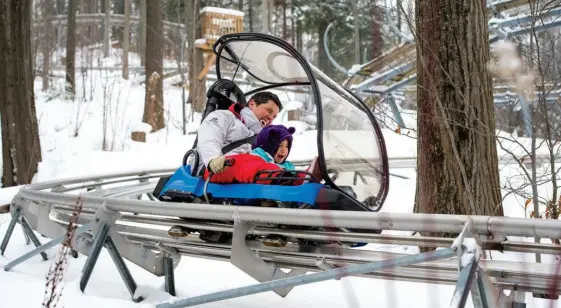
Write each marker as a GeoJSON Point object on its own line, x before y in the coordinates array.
{"type": "Point", "coordinates": [227, 132]}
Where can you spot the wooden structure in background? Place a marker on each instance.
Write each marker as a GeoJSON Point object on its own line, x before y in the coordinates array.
{"type": "Point", "coordinates": [216, 22]}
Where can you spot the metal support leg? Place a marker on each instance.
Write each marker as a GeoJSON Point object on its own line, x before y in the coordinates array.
{"type": "Point", "coordinates": [169, 276]}
{"type": "Point", "coordinates": [467, 271]}
{"type": "Point", "coordinates": [478, 292]}
{"type": "Point", "coordinates": [27, 240]}
{"type": "Point", "coordinates": [243, 258]}
{"type": "Point", "coordinates": [110, 239]}
{"type": "Point", "coordinates": [527, 116]}
{"type": "Point", "coordinates": [99, 241]}
{"type": "Point", "coordinates": [463, 286]}
{"type": "Point", "coordinates": [44, 247]}
{"type": "Point", "coordinates": [32, 236]}
{"type": "Point", "coordinates": [395, 111]}
{"type": "Point", "coordinates": [486, 295]}
{"type": "Point", "coordinates": [151, 197]}
{"type": "Point", "coordinates": [122, 268]}
{"type": "Point", "coordinates": [169, 254]}
{"type": "Point", "coordinates": [10, 230]}
{"type": "Point", "coordinates": [518, 299]}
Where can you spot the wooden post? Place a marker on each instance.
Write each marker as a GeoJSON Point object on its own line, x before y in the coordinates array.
{"type": "Point", "coordinates": [138, 136]}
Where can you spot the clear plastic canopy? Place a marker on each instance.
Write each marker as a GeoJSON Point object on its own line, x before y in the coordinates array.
{"type": "Point", "coordinates": [349, 141]}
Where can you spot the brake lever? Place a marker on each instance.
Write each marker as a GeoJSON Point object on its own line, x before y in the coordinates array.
{"type": "Point", "coordinates": [229, 162]}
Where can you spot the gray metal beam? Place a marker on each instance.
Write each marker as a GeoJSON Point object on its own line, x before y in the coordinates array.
{"type": "Point", "coordinates": [521, 20]}
{"type": "Point", "coordinates": [383, 77]}
{"type": "Point", "coordinates": [311, 278]}
{"type": "Point", "coordinates": [506, 275]}
{"type": "Point", "coordinates": [526, 30]}
{"type": "Point", "coordinates": [63, 214]}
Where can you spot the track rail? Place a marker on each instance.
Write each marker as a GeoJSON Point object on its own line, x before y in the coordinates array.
{"type": "Point", "coordinates": [138, 229]}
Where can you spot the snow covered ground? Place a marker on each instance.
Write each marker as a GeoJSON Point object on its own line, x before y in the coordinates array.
{"type": "Point", "coordinates": [72, 139]}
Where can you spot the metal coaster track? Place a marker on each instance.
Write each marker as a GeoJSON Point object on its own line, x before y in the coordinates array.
{"type": "Point", "coordinates": [112, 216]}
{"type": "Point", "coordinates": [395, 69]}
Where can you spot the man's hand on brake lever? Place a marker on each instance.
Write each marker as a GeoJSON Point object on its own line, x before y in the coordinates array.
{"type": "Point", "coordinates": [219, 164]}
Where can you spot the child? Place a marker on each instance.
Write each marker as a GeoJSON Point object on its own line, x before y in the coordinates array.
{"type": "Point", "coordinates": [273, 145]}
{"type": "Point", "coordinates": [270, 150]}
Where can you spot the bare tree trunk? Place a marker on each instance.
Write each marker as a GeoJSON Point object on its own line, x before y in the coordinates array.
{"type": "Point", "coordinates": [266, 16]}
{"type": "Point", "coordinates": [119, 8]}
{"type": "Point", "coordinates": [250, 15]}
{"type": "Point", "coordinates": [457, 156]}
{"type": "Point", "coordinates": [34, 45]}
{"type": "Point", "coordinates": [292, 24]}
{"type": "Point", "coordinates": [197, 88]}
{"type": "Point", "coordinates": [240, 5]}
{"type": "Point", "coordinates": [322, 60]}
{"type": "Point", "coordinates": [80, 28]}
{"type": "Point", "coordinates": [60, 10]}
{"type": "Point", "coordinates": [284, 24]}
{"type": "Point", "coordinates": [47, 41]}
{"type": "Point", "coordinates": [126, 35]}
{"type": "Point", "coordinates": [356, 31]}
{"type": "Point", "coordinates": [399, 5]}
{"type": "Point", "coordinates": [92, 30]}
{"type": "Point", "coordinates": [377, 37]}
{"type": "Point", "coordinates": [82, 6]}
{"type": "Point", "coordinates": [106, 29]}
{"type": "Point", "coordinates": [142, 35]}
{"type": "Point", "coordinates": [199, 95]}
{"type": "Point", "coordinates": [154, 100]}
{"type": "Point", "coordinates": [190, 31]}
{"type": "Point", "coordinates": [299, 40]}
{"type": "Point", "coordinates": [71, 47]}
{"type": "Point", "coordinates": [21, 150]}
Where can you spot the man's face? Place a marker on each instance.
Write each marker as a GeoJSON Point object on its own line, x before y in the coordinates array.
{"type": "Point", "coordinates": [265, 113]}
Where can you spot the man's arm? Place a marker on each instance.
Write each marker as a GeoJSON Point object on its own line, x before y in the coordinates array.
{"type": "Point", "coordinates": [212, 135]}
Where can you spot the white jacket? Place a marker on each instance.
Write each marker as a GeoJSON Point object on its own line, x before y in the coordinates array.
{"type": "Point", "coordinates": [222, 127]}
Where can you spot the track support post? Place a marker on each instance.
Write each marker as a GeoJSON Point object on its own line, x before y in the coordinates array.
{"type": "Point", "coordinates": [104, 220]}
{"type": "Point", "coordinates": [169, 254]}
{"type": "Point", "coordinates": [11, 226]}
{"type": "Point", "coordinates": [472, 279]}
{"type": "Point", "coordinates": [243, 258]}
{"type": "Point", "coordinates": [518, 299]}
{"type": "Point", "coordinates": [169, 276]}
{"type": "Point", "coordinates": [27, 231]}
{"type": "Point", "coordinates": [46, 246]}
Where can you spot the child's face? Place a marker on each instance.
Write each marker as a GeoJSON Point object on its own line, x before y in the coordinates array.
{"type": "Point", "coordinates": [282, 152]}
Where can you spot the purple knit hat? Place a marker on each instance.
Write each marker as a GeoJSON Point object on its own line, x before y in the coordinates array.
{"type": "Point", "coordinates": [271, 136]}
